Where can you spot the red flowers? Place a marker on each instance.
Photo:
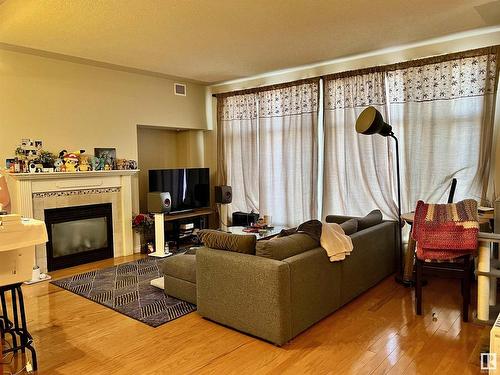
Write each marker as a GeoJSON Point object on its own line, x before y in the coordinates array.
{"type": "Point", "coordinates": [143, 223]}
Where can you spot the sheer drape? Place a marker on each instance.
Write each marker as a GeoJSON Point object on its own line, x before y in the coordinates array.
{"type": "Point", "coordinates": [269, 154]}
{"type": "Point", "coordinates": [238, 164]}
{"type": "Point", "coordinates": [441, 109]}
{"type": "Point", "coordinates": [443, 116]}
{"type": "Point", "coordinates": [288, 152]}
{"type": "Point", "coordinates": [357, 169]}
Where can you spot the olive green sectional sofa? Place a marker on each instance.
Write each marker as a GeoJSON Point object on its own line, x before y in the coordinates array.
{"type": "Point", "coordinates": [276, 299]}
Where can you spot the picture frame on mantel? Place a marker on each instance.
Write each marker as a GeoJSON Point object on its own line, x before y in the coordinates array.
{"type": "Point", "coordinates": [106, 153]}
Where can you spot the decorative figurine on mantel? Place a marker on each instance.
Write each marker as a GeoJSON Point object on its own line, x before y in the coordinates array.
{"type": "Point", "coordinates": [71, 162]}
{"type": "Point", "coordinates": [84, 163]}
{"type": "Point", "coordinates": [59, 165]}
{"type": "Point", "coordinates": [94, 163]}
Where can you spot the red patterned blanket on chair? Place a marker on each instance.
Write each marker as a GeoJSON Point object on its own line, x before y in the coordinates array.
{"type": "Point", "coordinates": [445, 231]}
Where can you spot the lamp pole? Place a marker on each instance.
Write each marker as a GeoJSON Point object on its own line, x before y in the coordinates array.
{"type": "Point", "coordinates": [399, 275]}
{"type": "Point", "coordinates": [369, 122]}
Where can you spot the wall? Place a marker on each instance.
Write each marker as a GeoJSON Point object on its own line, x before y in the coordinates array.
{"type": "Point", "coordinates": [438, 46]}
{"type": "Point", "coordinates": [77, 106]}
{"type": "Point", "coordinates": [162, 149]}
{"type": "Point", "coordinates": [73, 106]}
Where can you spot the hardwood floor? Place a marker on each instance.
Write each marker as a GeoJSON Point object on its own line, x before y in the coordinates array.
{"type": "Point", "coordinates": [377, 333]}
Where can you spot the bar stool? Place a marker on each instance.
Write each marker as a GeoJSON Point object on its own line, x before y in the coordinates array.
{"type": "Point", "coordinates": [17, 327]}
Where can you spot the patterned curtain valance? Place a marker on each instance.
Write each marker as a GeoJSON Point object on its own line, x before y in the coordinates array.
{"type": "Point", "coordinates": [458, 78]}
{"type": "Point", "coordinates": [239, 107]}
{"type": "Point", "coordinates": [355, 91]}
{"type": "Point", "coordinates": [290, 100]}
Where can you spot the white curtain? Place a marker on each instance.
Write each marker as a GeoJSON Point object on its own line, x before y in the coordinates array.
{"type": "Point", "coordinates": [358, 173]}
{"type": "Point", "coordinates": [268, 152]}
{"type": "Point", "coordinates": [288, 152]}
{"type": "Point", "coordinates": [441, 109]}
{"type": "Point", "coordinates": [238, 164]}
{"type": "Point", "coordinates": [442, 113]}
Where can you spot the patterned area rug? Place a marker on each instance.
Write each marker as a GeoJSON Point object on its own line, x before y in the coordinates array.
{"type": "Point", "coordinates": [125, 288]}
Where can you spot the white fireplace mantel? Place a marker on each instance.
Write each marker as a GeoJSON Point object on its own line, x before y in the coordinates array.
{"type": "Point", "coordinates": [24, 187]}
{"type": "Point", "coordinates": [65, 175]}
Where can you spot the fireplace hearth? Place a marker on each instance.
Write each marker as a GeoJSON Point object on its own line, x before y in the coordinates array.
{"type": "Point", "coordinates": [78, 235]}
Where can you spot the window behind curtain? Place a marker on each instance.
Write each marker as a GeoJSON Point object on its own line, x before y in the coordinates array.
{"type": "Point", "coordinates": [442, 113]}
{"type": "Point", "coordinates": [441, 109]}
{"type": "Point", "coordinates": [238, 161]}
{"type": "Point", "coordinates": [268, 154]}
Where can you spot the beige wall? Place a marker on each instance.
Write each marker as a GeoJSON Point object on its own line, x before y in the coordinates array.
{"type": "Point", "coordinates": [404, 53]}
{"type": "Point", "coordinates": [162, 148]}
{"type": "Point", "coordinates": [73, 106]}
{"type": "Point", "coordinates": [77, 106]}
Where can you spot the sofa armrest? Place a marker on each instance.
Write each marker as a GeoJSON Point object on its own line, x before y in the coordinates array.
{"type": "Point", "coordinates": [245, 292]}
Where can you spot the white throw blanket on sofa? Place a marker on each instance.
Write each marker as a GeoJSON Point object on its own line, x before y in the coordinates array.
{"type": "Point", "coordinates": [336, 243]}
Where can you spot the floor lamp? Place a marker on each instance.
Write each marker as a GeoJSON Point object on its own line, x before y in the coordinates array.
{"type": "Point", "coordinates": [370, 122]}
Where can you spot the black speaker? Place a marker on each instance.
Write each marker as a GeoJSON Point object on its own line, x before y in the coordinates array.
{"type": "Point", "coordinates": [159, 202]}
{"type": "Point", "coordinates": [244, 219]}
{"type": "Point", "coordinates": [223, 194]}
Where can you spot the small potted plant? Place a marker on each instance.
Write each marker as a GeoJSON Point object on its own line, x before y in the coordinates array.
{"type": "Point", "coordinates": [144, 224]}
{"type": "Point", "coordinates": [47, 159]}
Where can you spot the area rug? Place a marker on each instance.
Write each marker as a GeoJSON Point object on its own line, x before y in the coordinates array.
{"type": "Point", "coordinates": [125, 288]}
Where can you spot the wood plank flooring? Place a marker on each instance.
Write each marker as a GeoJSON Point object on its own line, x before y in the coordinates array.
{"type": "Point", "coordinates": [377, 333]}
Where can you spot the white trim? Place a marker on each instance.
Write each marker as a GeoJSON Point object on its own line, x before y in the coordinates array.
{"type": "Point", "coordinates": [61, 175]}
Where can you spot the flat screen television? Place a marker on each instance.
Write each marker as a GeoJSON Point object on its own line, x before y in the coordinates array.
{"type": "Point", "coordinates": [189, 188]}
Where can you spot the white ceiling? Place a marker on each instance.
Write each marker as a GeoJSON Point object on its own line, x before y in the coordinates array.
{"type": "Point", "coordinates": [218, 40]}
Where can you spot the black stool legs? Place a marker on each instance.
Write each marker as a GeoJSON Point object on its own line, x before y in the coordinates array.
{"type": "Point", "coordinates": [18, 327]}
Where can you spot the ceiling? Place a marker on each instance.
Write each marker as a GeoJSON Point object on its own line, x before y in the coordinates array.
{"type": "Point", "coordinates": [217, 40]}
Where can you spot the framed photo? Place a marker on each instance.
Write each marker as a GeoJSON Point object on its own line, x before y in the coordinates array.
{"type": "Point", "coordinates": [38, 144]}
{"type": "Point", "coordinates": [108, 154]}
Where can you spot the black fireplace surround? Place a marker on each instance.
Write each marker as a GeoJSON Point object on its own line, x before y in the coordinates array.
{"type": "Point", "coordinates": [78, 235]}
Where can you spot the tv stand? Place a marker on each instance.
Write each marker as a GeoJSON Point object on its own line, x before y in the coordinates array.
{"type": "Point", "coordinates": [199, 216]}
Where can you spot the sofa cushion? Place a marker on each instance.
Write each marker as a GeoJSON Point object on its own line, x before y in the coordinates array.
{"type": "Point", "coordinates": [350, 226]}
{"type": "Point", "coordinates": [239, 243]}
{"type": "Point", "coordinates": [280, 248]}
{"type": "Point", "coordinates": [373, 218]}
{"type": "Point", "coordinates": [182, 266]}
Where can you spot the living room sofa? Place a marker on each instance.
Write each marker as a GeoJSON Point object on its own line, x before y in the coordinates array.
{"type": "Point", "coordinates": [277, 299]}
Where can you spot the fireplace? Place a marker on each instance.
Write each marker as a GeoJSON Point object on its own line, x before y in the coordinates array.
{"type": "Point", "coordinates": [78, 234]}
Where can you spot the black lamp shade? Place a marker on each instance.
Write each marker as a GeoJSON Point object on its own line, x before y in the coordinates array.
{"type": "Point", "coordinates": [370, 121]}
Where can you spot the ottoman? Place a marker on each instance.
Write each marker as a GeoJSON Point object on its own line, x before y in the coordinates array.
{"type": "Point", "coordinates": [179, 272]}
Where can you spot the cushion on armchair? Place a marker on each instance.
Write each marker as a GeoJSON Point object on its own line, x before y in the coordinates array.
{"type": "Point", "coordinates": [238, 243]}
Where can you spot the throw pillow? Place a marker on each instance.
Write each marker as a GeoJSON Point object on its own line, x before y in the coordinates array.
{"type": "Point", "coordinates": [280, 248]}
{"type": "Point", "coordinates": [350, 226]}
{"type": "Point", "coordinates": [239, 243]}
{"type": "Point", "coordinates": [373, 218]}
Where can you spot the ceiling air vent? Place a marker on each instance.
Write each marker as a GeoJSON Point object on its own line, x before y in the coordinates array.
{"type": "Point", "coordinates": [180, 89]}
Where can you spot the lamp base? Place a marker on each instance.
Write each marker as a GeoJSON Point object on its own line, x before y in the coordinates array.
{"type": "Point", "coordinates": [405, 283]}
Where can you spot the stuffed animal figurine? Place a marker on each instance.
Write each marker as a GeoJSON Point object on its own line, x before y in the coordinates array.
{"type": "Point", "coordinates": [71, 162]}
{"type": "Point", "coordinates": [59, 165]}
{"type": "Point", "coordinates": [102, 163]}
{"type": "Point", "coordinates": [94, 163]}
{"type": "Point", "coordinates": [84, 163]}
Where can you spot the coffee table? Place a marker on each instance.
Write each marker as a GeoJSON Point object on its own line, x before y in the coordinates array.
{"type": "Point", "coordinates": [270, 233]}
